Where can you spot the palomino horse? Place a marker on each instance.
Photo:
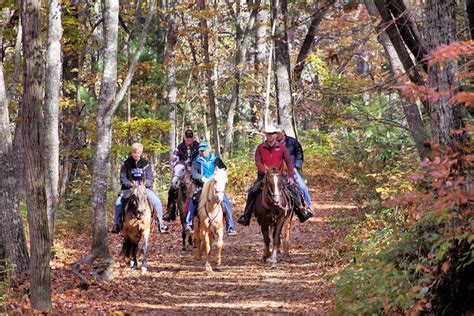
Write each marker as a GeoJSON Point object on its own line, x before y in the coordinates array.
{"type": "Point", "coordinates": [209, 224]}
{"type": "Point", "coordinates": [183, 182]}
{"type": "Point", "coordinates": [273, 211]}
{"type": "Point", "coordinates": [136, 224]}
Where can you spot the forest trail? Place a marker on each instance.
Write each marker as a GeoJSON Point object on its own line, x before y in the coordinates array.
{"type": "Point", "coordinates": [177, 283]}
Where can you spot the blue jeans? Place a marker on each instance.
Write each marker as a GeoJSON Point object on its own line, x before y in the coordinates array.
{"type": "Point", "coordinates": [228, 209]}
{"type": "Point", "coordinates": [303, 187]}
{"type": "Point", "coordinates": [152, 197]}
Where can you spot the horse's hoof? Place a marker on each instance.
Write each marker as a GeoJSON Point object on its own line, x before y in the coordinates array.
{"type": "Point", "coordinates": [144, 270]}
{"type": "Point", "coordinates": [273, 265]}
{"type": "Point", "coordinates": [134, 267]}
{"type": "Point", "coordinates": [209, 269]}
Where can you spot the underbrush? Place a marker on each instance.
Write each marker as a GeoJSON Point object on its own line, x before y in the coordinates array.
{"type": "Point", "coordinates": [416, 254]}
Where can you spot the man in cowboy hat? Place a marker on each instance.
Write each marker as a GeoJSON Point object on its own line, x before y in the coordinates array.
{"type": "Point", "coordinates": [296, 153]}
{"type": "Point", "coordinates": [270, 153]}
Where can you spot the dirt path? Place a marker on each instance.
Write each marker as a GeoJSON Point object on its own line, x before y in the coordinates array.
{"type": "Point", "coordinates": [177, 283]}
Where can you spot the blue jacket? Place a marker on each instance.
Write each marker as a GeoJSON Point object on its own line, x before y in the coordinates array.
{"type": "Point", "coordinates": [295, 150]}
{"type": "Point", "coordinates": [204, 166]}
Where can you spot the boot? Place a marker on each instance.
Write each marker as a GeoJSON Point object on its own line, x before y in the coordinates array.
{"type": "Point", "coordinates": [117, 227]}
{"type": "Point", "coordinates": [301, 211]}
{"type": "Point", "coordinates": [171, 207]}
{"type": "Point", "coordinates": [303, 214]}
{"type": "Point", "coordinates": [246, 217]}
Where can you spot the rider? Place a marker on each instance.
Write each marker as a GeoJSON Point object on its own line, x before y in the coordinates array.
{"type": "Point", "coordinates": [185, 153]}
{"type": "Point", "coordinates": [271, 153]}
{"type": "Point", "coordinates": [202, 170]}
{"type": "Point", "coordinates": [136, 168]}
{"type": "Point", "coordinates": [296, 153]}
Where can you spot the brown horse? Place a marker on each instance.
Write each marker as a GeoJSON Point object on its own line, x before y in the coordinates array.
{"type": "Point", "coordinates": [209, 223]}
{"type": "Point", "coordinates": [136, 225]}
{"type": "Point", "coordinates": [273, 211]}
{"type": "Point", "coordinates": [183, 182]}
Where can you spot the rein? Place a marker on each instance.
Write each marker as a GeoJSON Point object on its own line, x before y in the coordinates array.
{"type": "Point", "coordinates": [210, 198]}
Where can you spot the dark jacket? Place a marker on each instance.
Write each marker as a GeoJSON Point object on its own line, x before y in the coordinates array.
{"type": "Point", "coordinates": [181, 153]}
{"type": "Point", "coordinates": [295, 150]}
{"type": "Point", "coordinates": [132, 170]}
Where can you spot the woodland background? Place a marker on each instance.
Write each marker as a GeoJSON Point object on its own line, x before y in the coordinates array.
{"type": "Point", "coordinates": [379, 92]}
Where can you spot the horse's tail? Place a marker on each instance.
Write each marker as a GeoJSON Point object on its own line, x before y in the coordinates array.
{"type": "Point", "coordinates": [126, 246]}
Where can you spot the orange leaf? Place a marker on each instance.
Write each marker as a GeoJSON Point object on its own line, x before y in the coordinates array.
{"type": "Point", "coordinates": [445, 266]}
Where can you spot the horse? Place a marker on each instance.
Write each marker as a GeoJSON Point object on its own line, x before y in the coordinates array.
{"type": "Point", "coordinates": [273, 210]}
{"type": "Point", "coordinates": [183, 183]}
{"type": "Point", "coordinates": [137, 223]}
{"type": "Point", "coordinates": [209, 222]}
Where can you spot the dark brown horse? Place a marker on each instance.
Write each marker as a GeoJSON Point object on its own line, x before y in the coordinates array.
{"type": "Point", "coordinates": [183, 182]}
{"type": "Point", "coordinates": [136, 225]}
{"type": "Point", "coordinates": [273, 212]}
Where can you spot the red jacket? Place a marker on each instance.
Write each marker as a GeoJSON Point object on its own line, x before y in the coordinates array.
{"type": "Point", "coordinates": [266, 156]}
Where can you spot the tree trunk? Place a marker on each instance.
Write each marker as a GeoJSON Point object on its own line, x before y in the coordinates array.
{"type": "Point", "coordinates": [410, 109]}
{"type": "Point", "coordinates": [108, 104]}
{"type": "Point", "coordinates": [282, 67]}
{"type": "Point", "coordinates": [441, 30]}
{"type": "Point", "coordinates": [470, 16]}
{"type": "Point", "coordinates": [11, 225]}
{"type": "Point", "coordinates": [408, 30]}
{"type": "Point", "coordinates": [209, 80]}
{"type": "Point", "coordinates": [260, 58]}
{"type": "Point", "coordinates": [309, 40]}
{"type": "Point", "coordinates": [389, 27]}
{"type": "Point", "coordinates": [51, 117]}
{"type": "Point", "coordinates": [241, 51]}
{"type": "Point", "coordinates": [31, 131]}
{"type": "Point", "coordinates": [171, 39]}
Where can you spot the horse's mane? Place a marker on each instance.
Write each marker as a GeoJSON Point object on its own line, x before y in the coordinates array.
{"type": "Point", "coordinates": [219, 175]}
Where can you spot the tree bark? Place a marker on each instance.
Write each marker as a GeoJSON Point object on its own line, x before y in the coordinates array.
{"type": "Point", "coordinates": [410, 109]}
{"type": "Point", "coordinates": [441, 30]}
{"type": "Point", "coordinates": [11, 225]}
{"type": "Point", "coordinates": [31, 131]}
{"type": "Point", "coordinates": [241, 51]}
{"type": "Point", "coordinates": [282, 67]}
{"type": "Point", "coordinates": [389, 27]}
{"type": "Point", "coordinates": [260, 57]}
{"type": "Point", "coordinates": [470, 16]}
{"type": "Point", "coordinates": [408, 30]}
{"type": "Point", "coordinates": [108, 104]}
{"type": "Point", "coordinates": [171, 40]}
{"type": "Point", "coordinates": [209, 80]}
{"type": "Point", "coordinates": [51, 117]}
{"type": "Point", "coordinates": [309, 40]}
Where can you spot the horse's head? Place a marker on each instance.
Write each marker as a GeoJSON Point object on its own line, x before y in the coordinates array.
{"type": "Point", "coordinates": [220, 181]}
{"type": "Point", "coordinates": [178, 172]}
{"type": "Point", "coordinates": [139, 198]}
{"type": "Point", "coordinates": [273, 185]}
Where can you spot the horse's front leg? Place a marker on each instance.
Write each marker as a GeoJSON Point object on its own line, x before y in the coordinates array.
{"type": "Point", "coordinates": [207, 245]}
{"type": "Point", "coordinates": [220, 244]}
{"type": "Point", "coordinates": [276, 242]}
{"type": "Point", "coordinates": [145, 251]}
{"type": "Point", "coordinates": [286, 237]}
{"type": "Point", "coordinates": [266, 242]}
{"type": "Point", "coordinates": [183, 237]}
{"type": "Point", "coordinates": [197, 239]}
{"type": "Point", "coordinates": [134, 254]}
